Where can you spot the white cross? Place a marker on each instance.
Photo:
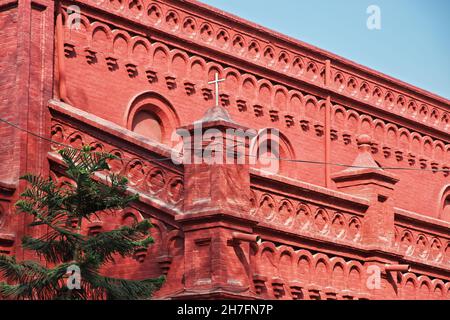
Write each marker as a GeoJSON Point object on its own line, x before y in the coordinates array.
{"type": "Point", "coordinates": [216, 83]}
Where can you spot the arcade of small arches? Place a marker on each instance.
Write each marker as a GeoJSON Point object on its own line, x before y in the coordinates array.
{"type": "Point", "coordinates": [263, 96]}
{"type": "Point", "coordinates": [190, 72]}
{"type": "Point", "coordinates": [208, 33]}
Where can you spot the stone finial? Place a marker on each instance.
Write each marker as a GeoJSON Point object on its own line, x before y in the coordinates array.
{"type": "Point", "coordinates": [363, 169]}
{"type": "Point", "coordinates": [364, 143]}
{"type": "Point", "coordinates": [216, 113]}
{"type": "Point", "coordinates": [364, 159]}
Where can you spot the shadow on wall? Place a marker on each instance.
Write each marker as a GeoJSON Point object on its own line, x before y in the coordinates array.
{"type": "Point", "coordinates": [444, 208]}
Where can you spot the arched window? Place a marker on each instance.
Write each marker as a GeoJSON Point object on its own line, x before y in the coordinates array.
{"type": "Point", "coordinates": [152, 116]}
{"type": "Point", "coordinates": [147, 124]}
{"type": "Point", "coordinates": [269, 150]}
{"type": "Point", "coordinates": [445, 215]}
{"type": "Point", "coordinates": [444, 207]}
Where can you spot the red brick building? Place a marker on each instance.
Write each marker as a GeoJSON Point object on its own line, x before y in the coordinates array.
{"type": "Point", "coordinates": [133, 71]}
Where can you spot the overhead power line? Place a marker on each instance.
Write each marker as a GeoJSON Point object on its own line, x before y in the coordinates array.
{"type": "Point", "coordinates": [255, 156]}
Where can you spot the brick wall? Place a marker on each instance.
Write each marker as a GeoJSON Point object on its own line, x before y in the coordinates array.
{"type": "Point", "coordinates": [9, 146]}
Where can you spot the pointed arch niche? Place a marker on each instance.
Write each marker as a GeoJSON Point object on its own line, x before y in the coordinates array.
{"type": "Point", "coordinates": [152, 116]}
{"type": "Point", "coordinates": [444, 206]}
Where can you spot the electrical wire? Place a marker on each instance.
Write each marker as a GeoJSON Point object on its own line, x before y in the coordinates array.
{"type": "Point", "coordinates": [66, 145]}
{"type": "Point", "coordinates": [254, 156]}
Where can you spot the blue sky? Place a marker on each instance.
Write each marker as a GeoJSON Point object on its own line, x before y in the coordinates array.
{"type": "Point", "coordinates": [413, 44]}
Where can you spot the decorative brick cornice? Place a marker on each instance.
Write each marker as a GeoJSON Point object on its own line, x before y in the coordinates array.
{"type": "Point", "coordinates": [422, 220]}
{"type": "Point", "coordinates": [249, 46]}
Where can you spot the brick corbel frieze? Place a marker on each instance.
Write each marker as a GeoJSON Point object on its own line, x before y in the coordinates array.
{"type": "Point", "coordinates": [281, 45]}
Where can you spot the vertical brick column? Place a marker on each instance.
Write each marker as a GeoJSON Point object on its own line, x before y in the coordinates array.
{"type": "Point", "coordinates": [216, 208]}
{"type": "Point", "coordinates": [26, 85]}
{"type": "Point", "coordinates": [366, 179]}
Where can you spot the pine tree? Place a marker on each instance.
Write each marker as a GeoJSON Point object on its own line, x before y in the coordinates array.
{"type": "Point", "coordinates": [64, 248]}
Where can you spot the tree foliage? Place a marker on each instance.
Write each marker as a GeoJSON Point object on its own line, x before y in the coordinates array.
{"type": "Point", "coordinates": [61, 211]}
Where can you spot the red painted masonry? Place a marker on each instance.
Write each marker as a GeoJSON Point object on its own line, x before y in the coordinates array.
{"type": "Point", "coordinates": [135, 71]}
